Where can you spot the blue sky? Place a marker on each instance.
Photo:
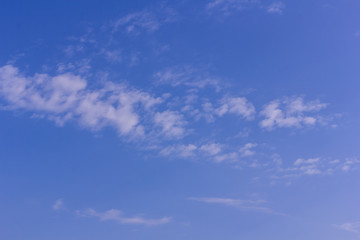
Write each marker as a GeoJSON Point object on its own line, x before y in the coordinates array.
{"type": "Point", "coordinates": [218, 119]}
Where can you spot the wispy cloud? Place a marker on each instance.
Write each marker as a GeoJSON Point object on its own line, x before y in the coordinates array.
{"type": "Point", "coordinates": [58, 205]}
{"type": "Point", "coordinates": [350, 227]}
{"type": "Point", "coordinates": [118, 216]}
{"type": "Point", "coordinates": [236, 105]}
{"type": "Point", "coordinates": [315, 167]}
{"type": "Point", "coordinates": [146, 20]}
{"type": "Point", "coordinates": [186, 76]}
{"type": "Point", "coordinates": [231, 156]}
{"type": "Point", "coordinates": [276, 7]}
{"type": "Point", "coordinates": [211, 148]}
{"type": "Point", "coordinates": [227, 7]}
{"type": "Point", "coordinates": [181, 150]}
{"type": "Point", "coordinates": [247, 149]}
{"type": "Point", "coordinates": [239, 106]}
{"type": "Point", "coordinates": [216, 152]}
{"type": "Point", "coordinates": [349, 164]}
{"type": "Point", "coordinates": [138, 21]}
{"type": "Point", "coordinates": [172, 123]}
{"type": "Point", "coordinates": [291, 112]}
{"type": "Point", "coordinates": [252, 205]}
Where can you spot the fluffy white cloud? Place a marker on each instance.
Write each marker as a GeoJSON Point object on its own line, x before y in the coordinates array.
{"type": "Point", "coordinates": [291, 112]}
{"type": "Point", "coordinates": [66, 97]}
{"type": "Point", "coordinates": [118, 216]}
{"type": "Point", "coordinates": [236, 105]}
{"type": "Point", "coordinates": [239, 106]}
{"type": "Point", "coordinates": [171, 122]}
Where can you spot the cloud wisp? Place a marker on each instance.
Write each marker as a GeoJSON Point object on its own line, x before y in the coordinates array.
{"type": "Point", "coordinates": [58, 205]}
{"type": "Point", "coordinates": [188, 77]}
{"type": "Point", "coordinates": [276, 7]}
{"type": "Point", "coordinates": [241, 204]}
{"type": "Point", "coordinates": [353, 227]}
{"type": "Point", "coordinates": [315, 166]}
{"type": "Point", "coordinates": [228, 7]}
{"type": "Point", "coordinates": [118, 216]}
{"type": "Point", "coordinates": [144, 21]}
{"type": "Point", "coordinates": [213, 151]}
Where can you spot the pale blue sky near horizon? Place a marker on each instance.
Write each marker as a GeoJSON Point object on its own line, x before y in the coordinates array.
{"type": "Point", "coordinates": [211, 119]}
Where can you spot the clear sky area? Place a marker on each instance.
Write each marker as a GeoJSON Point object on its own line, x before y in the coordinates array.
{"type": "Point", "coordinates": [180, 120]}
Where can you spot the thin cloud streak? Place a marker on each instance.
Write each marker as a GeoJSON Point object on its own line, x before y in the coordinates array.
{"type": "Point", "coordinates": [237, 203]}
{"type": "Point", "coordinates": [118, 216]}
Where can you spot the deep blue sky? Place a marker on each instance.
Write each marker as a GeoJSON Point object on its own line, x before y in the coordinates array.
{"type": "Point", "coordinates": [207, 120]}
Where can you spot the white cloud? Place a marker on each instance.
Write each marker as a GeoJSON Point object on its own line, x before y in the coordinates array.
{"type": "Point", "coordinates": [212, 148]}
{"type": "Point", "coordinates": [118, 216]}
{"type": "Point", "coordinates": [139, 20]}
{"type": "Point", "coordinates": [58, 205]}
{"type": "Point", "coordinates": [301, 161]}
{"type": "Point", "coordinates": [310, 170]}
{"type": "Point", "coordinates": [239, 106]}
{"type": "Point", "coordinates": [227, 7]}
{"type": "Point", "coordinates": [236, 105]}
{"type": "Point", "coordinates": [212, 151]}
{"type": "Point", "coordinates": [349, 164]}
{"type": "Point", "coordinates": [350, 227]}
{"type": "Point", "coordinates": [247, 151]}
{"type": "Point", "coordinates": [215, 152]}
{"type": "Point", "coordinates": [276, 7]}
{"type": "Point", "coordinates": [229, 157]}
{"type": "Point", "coordinates": [316, 166]}
{"type": "Point", "coordinates": [310, 166]}
{"type": "Point", "coordinates": [291, 112]}
{"type": "Point", "coordinates": [171, 122]}
{"type": "Point", "coordinates": [145, 20]}
{"type": "Point", "coordinates": [181, 150]}
{"type": "Point", "coordinates": [66, 97]}
{"type": "Point", "coordinates": [133, 113]}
